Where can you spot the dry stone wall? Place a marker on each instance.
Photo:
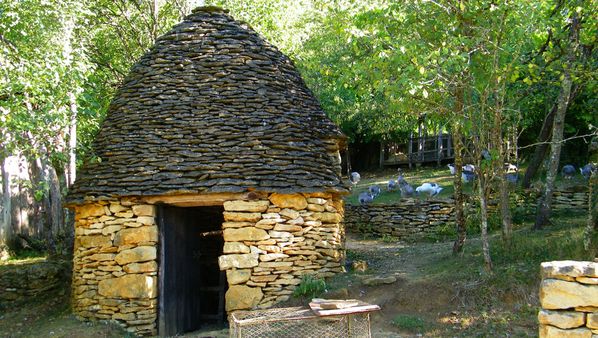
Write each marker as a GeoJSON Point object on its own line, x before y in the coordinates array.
{"type": "Point", "coordinates": [569, 299]}
{"type": "Point", "coordinates": [114, 265]}
{"type": "Point", "coordinates": [408, 219]}
{"type": "Point", "coordinates": [20, 282]}
{"type": "Point", "coordinates": [270, 244]}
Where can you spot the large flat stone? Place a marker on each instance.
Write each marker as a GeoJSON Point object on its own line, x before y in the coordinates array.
{"type": "Point", "coordinates": [562, 319]}
{"type": "Point", "coordinates": [241, 261]}
{"type": "Point", "coordinates": [592, 321]}
{"type": "Point", "coordinates": [241, 297]}
{"type": "Point", "coordinates": [94, 241]}
{"type": "Point", "coordinates": [574, 269]}
{"type": "Point", "coordinates": [237, 276]}
{"type": "Point", "coordinates": [291, 201]}
{"type": "Point", "coordinates": [247, 206]}
{"type": "Point", "coordinates": [235, 247]}
{"type": "Point", "coordinates": [89, 210]}
{"type": "Point", "coordinates": [138, 254]}
{"type": "Point", "coordinates": [244, 234]}
{"type": "Point", "coordinates": [129, 286]}
{"type": "Point", "coordinates": [558, 294]}
{"type": "Point", "coordinates": [548, 331]}
{"type": "Point", "coordinates": [136, 235]}
{"type": "Point", "coordinates": [144, 210]}
{"type": "Point", "coordinates": [233, 216]}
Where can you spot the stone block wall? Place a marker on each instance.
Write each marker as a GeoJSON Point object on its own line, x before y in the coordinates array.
{"type": "Point", "coordinates": [114, 264]}
{"type": "Point", "coordinates": [409, 219]}
{"type": "Point", "coordinates": [23, 281]}
{"type": "Point", "coordinates": [569, 299]}
{"type": "Point", "coordinates": [271, 243]}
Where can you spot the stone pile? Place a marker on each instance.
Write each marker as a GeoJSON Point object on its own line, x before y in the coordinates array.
{"type": "Point", "coordinates": [114, 264]}
{"type": "Point", "coordinates": [407, 219]}
{"type": "Point", "coordinates": [24, 281]}
{"type": "Point", "coordinates": [570, 199]}
{"type": "Point", "coordinates": [569, 299]}
{"type": "Point", "coordinates": [270, 244]}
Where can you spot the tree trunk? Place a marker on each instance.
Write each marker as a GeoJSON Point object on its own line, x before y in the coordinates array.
{"type": "Point", "coordinates": [6, 225]}
{"type": "Point", "coordinates": [540, 151]}
{"type": "Point", "coordinates": [72, 165]}
{"type": "Point", "coordinates": [590, 239]}
{"type": "Point", "coordinates": [544, 138]}
{"type": "Point", "coordinates": [545, 202]}
{"type": "Point", "coordinates": [458, 194]}
{"type": "Point", "coordinates": [484, 221]}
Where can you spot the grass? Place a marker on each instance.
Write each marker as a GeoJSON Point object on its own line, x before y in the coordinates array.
{"type": "Point", "coordinates": [410, 323]}
{"type": "Point", "coordinates": [516, 271]}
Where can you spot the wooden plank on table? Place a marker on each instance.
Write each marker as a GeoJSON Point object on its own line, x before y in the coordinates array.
{"type": "Point", "coordinates": [359, 308]}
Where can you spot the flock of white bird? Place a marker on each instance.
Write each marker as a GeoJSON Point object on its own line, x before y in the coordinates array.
{"type": "Point", "coordinates": [406, 190]}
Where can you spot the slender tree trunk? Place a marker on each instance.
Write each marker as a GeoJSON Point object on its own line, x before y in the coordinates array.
{"type": "Point", "coordinates": [591, 232]}
{"type": "Point", "coordinates": [72, 165]}
{"type": "Point", "coordinates": [540, 150]}
{"type": "Point", "coordinates": [6, 225]}
{"type": "Point", "coordinates": [484, 221]}
{"type": "Point", "coordinates": [545, 202]}
{"type": "Point", "coordinates": [458, 184]}
{"type": "Point", "coordinates": [544, 137]}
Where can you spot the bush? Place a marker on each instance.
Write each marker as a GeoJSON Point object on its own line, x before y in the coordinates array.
{"type": "Point", "coordinates": [310, 287]}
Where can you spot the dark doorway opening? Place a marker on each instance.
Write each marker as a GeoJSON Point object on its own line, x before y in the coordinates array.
{"type": "Point", "coordinates": [192, 287]}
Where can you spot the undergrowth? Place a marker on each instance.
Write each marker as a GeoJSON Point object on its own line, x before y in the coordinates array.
{"type": "Point", "coordinates": [516, 271]}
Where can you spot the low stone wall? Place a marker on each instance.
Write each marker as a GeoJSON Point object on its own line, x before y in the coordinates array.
{"type": "Point", "coordinates": [569, 299]}
{"type": "Point", "coordinates": [408, 219]}
{"type": "Point", "coordinates": [114, 264]}
{"type": "Point", "coordinates": [21, 282]}
{"type": "Point", "coordinates": [411, 218]}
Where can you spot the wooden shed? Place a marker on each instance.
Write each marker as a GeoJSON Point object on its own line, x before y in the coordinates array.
{"type": "Point", "coordinates": [214, 186]}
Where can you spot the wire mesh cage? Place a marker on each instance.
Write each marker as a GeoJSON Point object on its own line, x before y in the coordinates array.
{"type": "Point", "coordinates": [295, 322]}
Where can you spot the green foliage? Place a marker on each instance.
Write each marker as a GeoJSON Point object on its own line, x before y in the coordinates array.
{"type": "Point", "coordinates": [310, 287]}
{"type": "Point", "coordinates": [409, 323]}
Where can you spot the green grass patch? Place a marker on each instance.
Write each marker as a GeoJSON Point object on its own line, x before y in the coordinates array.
{"type": "Point", "coordinates": [410, 323]}
{"type": "Point", "coordinates": [516, 271]}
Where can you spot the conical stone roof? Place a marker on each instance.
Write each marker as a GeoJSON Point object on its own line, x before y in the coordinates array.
{"type": "Point", "coordinates": [212, 107]}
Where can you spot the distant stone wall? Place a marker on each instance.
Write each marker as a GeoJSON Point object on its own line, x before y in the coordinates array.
{"type": "Point", "coordinates": [21, 282]}
{"type": "Point", "coordinates": [408, 219]}
{"type": "Point", "coordinates": [114, 264]}
{"type": "Point", "coordinates": [271, 243]}
{"type": "Point", "coordinates": [569, 299]}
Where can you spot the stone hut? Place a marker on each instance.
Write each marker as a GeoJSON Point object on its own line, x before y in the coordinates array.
{"type": "Point", "coordinates": [215, 184]}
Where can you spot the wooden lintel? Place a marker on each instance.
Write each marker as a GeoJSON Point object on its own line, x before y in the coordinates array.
{"type": "Point", "coordinates": [200, 200]}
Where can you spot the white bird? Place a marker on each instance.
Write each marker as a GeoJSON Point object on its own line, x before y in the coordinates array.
{"type": "Point", "coordinates": [511, 168]}
{"type": "Point", "coordinates": [469, 167]}
{"type": "Point", "coordinates": [432, 189]}
{"type": "Point", "coordinates": [451, 168]}
{"type": "Point", "coordinates": [355, 177]}
{"type": "Point", "coordinates": [365, 198]}
{"type": "Point", "coordinates": [374, 190]}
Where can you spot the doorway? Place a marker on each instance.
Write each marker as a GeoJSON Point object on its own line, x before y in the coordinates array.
{"type": "Point", "coordinates": [191, 285]}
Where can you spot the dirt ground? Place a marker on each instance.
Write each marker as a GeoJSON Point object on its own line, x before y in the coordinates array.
{"type": "Point", "coordinates": [413, 294]}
